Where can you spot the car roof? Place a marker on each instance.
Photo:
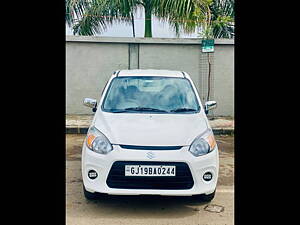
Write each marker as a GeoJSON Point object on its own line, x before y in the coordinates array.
{"type": "Point", "coordinates": [150, 72]}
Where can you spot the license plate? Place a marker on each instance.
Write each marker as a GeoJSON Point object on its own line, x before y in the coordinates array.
{"type": "Point", "coordinates": [150, 170]}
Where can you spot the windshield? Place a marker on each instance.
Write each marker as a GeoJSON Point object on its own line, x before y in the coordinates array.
{"type": "Point", "coordinates": [150, 94]}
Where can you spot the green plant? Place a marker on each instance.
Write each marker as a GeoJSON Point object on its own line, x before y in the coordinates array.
{"type": "Point", "coordinates": [220, 20]}
{"type": "Point", "coordinates": [89, 17]}
{"type": "Point", "coordinates": [223, 18]}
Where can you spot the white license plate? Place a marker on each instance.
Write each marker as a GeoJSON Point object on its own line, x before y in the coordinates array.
{"type": "Point", "coordinates": [150, 170]}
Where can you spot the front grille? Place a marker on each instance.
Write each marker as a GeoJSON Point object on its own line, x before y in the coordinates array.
{"type": "Point", "coordinates": [140, 147]}
{"type": "Point", "coordinates": [117, 179]}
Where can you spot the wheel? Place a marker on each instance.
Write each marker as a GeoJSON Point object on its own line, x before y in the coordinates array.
{"type": "Point", "coordinates": [89, 195]}
{"type": "Point", "coordinates": [205, 198]}
{"type": "Point", "coordinates": [209, 197]}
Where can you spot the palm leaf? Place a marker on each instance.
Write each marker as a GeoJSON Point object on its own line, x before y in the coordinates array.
{"type": "Point", "coordinates": [223, 18]}
{"type": "Point", "coordinates": [89, 17]}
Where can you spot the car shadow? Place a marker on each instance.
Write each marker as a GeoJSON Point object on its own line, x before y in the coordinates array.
{"type": "Point", "coordinates": [142, 206]}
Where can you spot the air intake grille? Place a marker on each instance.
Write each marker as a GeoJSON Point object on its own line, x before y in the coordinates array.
{"type": "Point", "coordinates": [117, 179]}
{"type": "Point", "coordinates": [139, 147]}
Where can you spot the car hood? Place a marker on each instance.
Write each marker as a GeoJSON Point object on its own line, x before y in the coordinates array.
{"type": "Point", "coordinates": [150, 129]}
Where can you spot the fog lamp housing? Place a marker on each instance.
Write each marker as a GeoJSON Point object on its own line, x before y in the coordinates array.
{"type": "Point", "coordinates": [207, 176]}
{"type": "Point", "coordinates": [92, 174]}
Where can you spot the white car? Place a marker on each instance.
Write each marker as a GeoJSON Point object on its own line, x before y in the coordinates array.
{"type": "Point", "coordinates": [150, 136]}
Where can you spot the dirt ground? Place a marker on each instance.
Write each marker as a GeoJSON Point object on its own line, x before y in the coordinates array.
{"type": "Point", "coordinates": [149, 210]}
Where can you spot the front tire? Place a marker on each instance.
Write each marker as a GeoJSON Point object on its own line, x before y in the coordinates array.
{"type": "Point", "coordinates": [209, 197]}
{"type": "Point", "coordinates": [206, 198]}
{"type": "Point", "coordinates": [89, 195]}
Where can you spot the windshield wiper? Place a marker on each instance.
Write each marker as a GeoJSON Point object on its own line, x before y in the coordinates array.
{"type": "Point", "coordinates": [183, 110]}
{"type": "Point", "coordinates": [117, 110]}
{"type": "Point", "coordinates": [144, 109]}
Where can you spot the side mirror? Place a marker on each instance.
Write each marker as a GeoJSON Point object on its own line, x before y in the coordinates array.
{"type": "Point", "coordinates": [210, 105]}
{"type": "Point", "coordinates": [90, 102]}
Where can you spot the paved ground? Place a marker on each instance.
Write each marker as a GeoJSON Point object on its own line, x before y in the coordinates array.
{"type": "Point", "coordinates": [148, 210]}
{"type": "Point", "coordinates": [80, 123]}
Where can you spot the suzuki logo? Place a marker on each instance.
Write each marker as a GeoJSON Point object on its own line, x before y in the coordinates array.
{"type": "Point", "coordinates": [150, 155]}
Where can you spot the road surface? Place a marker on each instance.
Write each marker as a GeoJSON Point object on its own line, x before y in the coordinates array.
{"type": "Point", "coordinates": [149, 210]}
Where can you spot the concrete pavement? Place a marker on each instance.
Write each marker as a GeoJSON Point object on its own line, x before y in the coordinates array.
{"type": "Point", "coordinates": [149, 210]}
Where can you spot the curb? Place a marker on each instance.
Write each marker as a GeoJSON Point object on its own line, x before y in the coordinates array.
{"type": "Point", "coordinates": [83, 130]}
{"type": "Point", "coordinates": [223, 131]}
{"type": "Point", "coordinates": [76, 130]}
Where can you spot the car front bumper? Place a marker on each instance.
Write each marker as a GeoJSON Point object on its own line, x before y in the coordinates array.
{"type": "Point", "coordinates": [103, 163]}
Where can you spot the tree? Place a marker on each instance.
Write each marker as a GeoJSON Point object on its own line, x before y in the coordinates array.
{"type": "Point", "coordinates": [89, 17]}
{"type": "Point", "coordinates": [222, 18]}
{"type": "Point", "coordinates": [217, 19]}
{"type": "Point", "coordinates": [214, 17]}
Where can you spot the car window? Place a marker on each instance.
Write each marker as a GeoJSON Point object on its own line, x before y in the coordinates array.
{"type": "Point", "coordinates": [156, 94]}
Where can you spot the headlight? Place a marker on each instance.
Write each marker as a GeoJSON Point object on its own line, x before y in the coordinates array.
{"type": "Point", "coordinates": [203, 144]}
{"type": "Point", "coordinates": [97, 142]}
